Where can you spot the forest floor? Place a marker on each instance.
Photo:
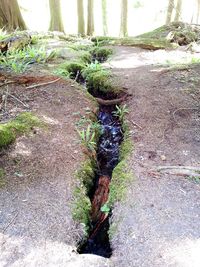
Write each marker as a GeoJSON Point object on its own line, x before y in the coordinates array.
{"type": "Point", "coordinates": [158, 223]}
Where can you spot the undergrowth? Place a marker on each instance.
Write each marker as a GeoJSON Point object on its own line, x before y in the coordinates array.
{"type": "Point", "coordinates": [19, 60]}
{"type": "Point", "coordinates": [88, 130]}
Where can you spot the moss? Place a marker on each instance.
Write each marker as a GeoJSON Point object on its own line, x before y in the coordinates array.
{"type": "Point", "coordinates": [73, 68]}
{"type": "Point", "coordinates": [121, 175]}
{"type": "Point", "coordinates": [23, 123]}
{"type": "Point", "coordinates": [126, 146]}
{"type": "Point", "coordinates": [118, 185]}
{"type": "Point", "coordinates": [7, 136]}
{"type": "Point", "coordinates": [86, 174]}
{"type": "Point", "coordinates": [2, 181]}
{"type": "Point", "coordinates": [86, 57]}
{"type": "Point", "coordinates": [99, 81]}
{"type": "Point", "coordinates": [143, 42]}
{"type": "Point", "coordinates": [101, 54]}
{"type": "Point", "coordinates": [81, 206]}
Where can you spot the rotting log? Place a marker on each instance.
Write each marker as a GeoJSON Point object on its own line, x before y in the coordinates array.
{"type": "Point", "coordinates": [164, 37]}
{"type": "Point", "coordinates": [16, 42]}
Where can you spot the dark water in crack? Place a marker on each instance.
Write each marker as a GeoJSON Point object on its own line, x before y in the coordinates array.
{"type": "Point", "coordinates": [107, 158]}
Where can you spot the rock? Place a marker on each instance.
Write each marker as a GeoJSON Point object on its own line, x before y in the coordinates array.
{"type": "Point", "coordinates": [163, 157]}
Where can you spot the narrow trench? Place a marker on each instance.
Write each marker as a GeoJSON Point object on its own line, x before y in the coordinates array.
{"type": "Point", "coordinates": [107, 158]}
{"type": "Point", "coordinates": [108, 147]}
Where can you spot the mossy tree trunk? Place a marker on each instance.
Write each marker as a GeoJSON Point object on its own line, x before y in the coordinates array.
{"type": "Point", "coordinates": [169, 11]}
{"type": "Point", "coordinates": [81, 21]}
{"type": "Point", "coordinates": [10, 15]}
{"type": "Point", "coordinates": [90, 18]}
{"type": "Point", "coordinates": [56, 18]}
{"type": "Point", "coordinates": [178, 10]}
{"type": "Point", "coordinates": [124, 18]}
{"type": "Point", "coordinates": [104, 17]}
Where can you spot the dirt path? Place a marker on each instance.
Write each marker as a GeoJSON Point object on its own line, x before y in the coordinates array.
{"type": "Point", "coordinates": [36, 226]}
{"type": "Point", "coordinates": [160, 220]}
{"type": "Point", "coordinates": [158, 224]}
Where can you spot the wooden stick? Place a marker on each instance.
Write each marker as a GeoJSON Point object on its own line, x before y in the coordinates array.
{"type": "Point", "coordinates": [41, 84]}
{"type": "Point", "coordinates": [8, 82]}
{"type": "Point", "coordinates": [10, 223]}
{"type": "Point", "coordinates": [135, 124]}
{"type": "Point", "coordinates": [14, 97]}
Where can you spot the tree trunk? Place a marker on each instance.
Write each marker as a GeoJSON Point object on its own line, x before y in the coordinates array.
{"type": "Point", "coordinates": [81, 21]}
{"type": "Point", "coordinates": [10, 16]}
{"type": "Point", "coordinates": [104, 17]}
{"type": "Point", "coordinates": [178, 10]}
{"type": "Point", "coordinates": [198, 11]}
{"type": "Point", "coordinates": [90, 18]}
{"type": "Point", "coordinates": [124, 18]}
{"type": "Point", "coordinates": [169, 11]}
{"type": "Point", "coordinates": [56, 18]}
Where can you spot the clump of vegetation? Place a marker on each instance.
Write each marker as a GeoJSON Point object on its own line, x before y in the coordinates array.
{"type": "Point", "coordinates": [120, 112]}
{"type": "Point", "coordinates": [101, 54]}
{"type": "Point", "coordinates": [97, 79]}
{"type": "Point", "coordinates": [88, 139]}
{"type": "Point", "coordinates": [99, 82]}
{"type": "Point", "coordinates": [86, 57]}
{"type": "Point", "coordinates": [72, 69]}
{"type": "Point", "coordinates": [19, 60]}
{"type": "Point", "coordinates": [81, 206]}
{"type": "Point", "coordinates": [118, 185]}
{"type": "Point", "coordinates": [121, 175]}
{"type": "Point", "coordinates": [23, 123]}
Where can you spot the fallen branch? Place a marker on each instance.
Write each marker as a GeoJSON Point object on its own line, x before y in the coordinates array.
{"type": "Point", "coordinates": [41, 84]}
{"type": "Point", "coordinates": [11, 222]}
{"type": "Point", "coordinates": [14, 97]}
{"type": "Point", "coordinates": [8, 82]}
{"type": "Point", "coordinates": [135, 124]}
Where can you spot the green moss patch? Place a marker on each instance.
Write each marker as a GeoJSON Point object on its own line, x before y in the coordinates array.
{"type": "Point", "coordinates": [121, 174]}
{"type": "Point", "coordinates": [2, 180]}
{"type": "Point", "coordinates": [101, 54]}
{"type": "Point", "coordinates": [81, 205]}
{"type": "Point", "coordinates": [74, 68]}
{"type": "Point", "coordinates": [23, 123]}
{"type": "Point", "coordinates": [98, 79]}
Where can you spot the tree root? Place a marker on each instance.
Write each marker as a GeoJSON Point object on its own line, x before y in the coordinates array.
{"type": "Point", "coordinates": [106, 102]}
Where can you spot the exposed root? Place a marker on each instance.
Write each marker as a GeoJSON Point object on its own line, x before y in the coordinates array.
{"type": "Point", "coordinates": [117, 101]}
